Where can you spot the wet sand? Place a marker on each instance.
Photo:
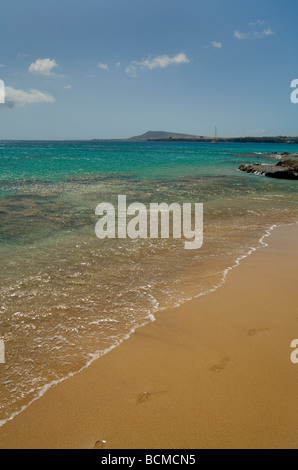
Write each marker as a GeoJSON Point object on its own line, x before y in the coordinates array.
{"type": "Point", "coordinates": [213, 373]}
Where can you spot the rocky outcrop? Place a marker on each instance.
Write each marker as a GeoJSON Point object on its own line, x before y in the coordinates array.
{"type": "Point", "coordinates": [287, 168]}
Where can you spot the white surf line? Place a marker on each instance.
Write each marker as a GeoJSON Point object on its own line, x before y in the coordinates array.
{"type": "Point", "coordinates": [151, 317]}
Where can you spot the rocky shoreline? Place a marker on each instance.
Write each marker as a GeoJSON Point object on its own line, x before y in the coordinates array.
{"type": "Point", "coordinates": [286, 168]}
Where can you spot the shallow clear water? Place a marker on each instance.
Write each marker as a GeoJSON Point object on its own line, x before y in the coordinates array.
{"type": "Point", "coordinates": [66, 296]}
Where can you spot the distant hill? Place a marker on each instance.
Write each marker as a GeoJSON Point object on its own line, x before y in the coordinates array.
{"type": "Point", "coordinates": [160, 135]}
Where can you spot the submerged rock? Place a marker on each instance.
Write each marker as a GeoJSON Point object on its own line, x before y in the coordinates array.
{"type": "Point", "coordinates": [287, 168]}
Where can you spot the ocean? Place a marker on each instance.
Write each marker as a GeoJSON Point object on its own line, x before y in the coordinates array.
{"type": "Point", "coordinates": [68, 297]}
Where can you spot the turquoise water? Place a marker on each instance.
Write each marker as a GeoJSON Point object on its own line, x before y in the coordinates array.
{"type": "Point", "coordinates": [55, 161]}
{"type": "Point", "coordinates": [66, 296]}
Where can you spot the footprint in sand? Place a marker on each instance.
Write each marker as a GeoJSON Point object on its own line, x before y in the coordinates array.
{"type": "Point", "coordinates": [100, 444]}
{"type": "Point", "coordinates": [256, 331]}
{"type": "Point", "coordinates": [218, 368]}
{"type": "Point", "coordinates": [145, 396]}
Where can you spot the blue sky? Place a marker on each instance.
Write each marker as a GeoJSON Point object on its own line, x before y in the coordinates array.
{"type": "Point", "coordinates": [116, 68]}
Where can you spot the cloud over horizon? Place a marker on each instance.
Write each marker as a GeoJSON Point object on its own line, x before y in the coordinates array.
{"type": "Point", "coordinates": [257, 30]}
{"type": "Point", "coordinates": [215, 45]}
{"type": "Point", "coordinates": [104, 67]}
{"type": "Point", "coordinates": [43, 67]}
{"type": "Point", "coordinates": [161, 61]}
{"type": "Point", "coordinates": [14, 97]}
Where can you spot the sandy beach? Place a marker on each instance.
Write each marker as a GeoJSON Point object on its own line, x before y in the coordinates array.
{"type": "Point", "coordinates": [212, 373]}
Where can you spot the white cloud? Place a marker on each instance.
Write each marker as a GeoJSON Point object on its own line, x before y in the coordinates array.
{"type": "Point", "coordinates": [257, 30]}
{"type": "Point", "coordinates": [216, 45]}
{"type": "Point", "coordinates": [43, 67]}
{"type": "Point", "coordinates": [104, 67]}
{"type": "Point", "coordinates": [239, 35]}
{"type": "Point", "coordinates": [24, 98]}
{"type": "Point", "coordinates": [268, 32]}
{"type": "Point", "coordinates": [118, 64]}
{"type": "Point", "coordinates": [161, 61]}
{"type": "Point", "coordinates": [131, 70]}
{"type": "Point", "coordinates": [67, 87]}
{"type": "Point", "coordinates": [2, 65]}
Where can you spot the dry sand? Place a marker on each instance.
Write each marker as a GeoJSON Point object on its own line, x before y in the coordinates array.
{"type": "Point", "coordinates": [213, 373]}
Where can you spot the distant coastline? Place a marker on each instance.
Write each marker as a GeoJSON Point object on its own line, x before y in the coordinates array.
{"type": "Point", "coordinates": [161, 136]}
{"type": "Point", "coordinates": [260, 140]}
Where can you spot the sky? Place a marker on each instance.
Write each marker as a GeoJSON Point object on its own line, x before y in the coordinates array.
{"type": "Point", "coordinates": [117, 68]}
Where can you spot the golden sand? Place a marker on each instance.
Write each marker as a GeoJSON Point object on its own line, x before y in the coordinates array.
{"type": "Point", "coordinates": [213, 373]}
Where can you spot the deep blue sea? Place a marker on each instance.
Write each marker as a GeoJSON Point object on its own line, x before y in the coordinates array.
{"type": "Point", "coordinates": [68, 297]}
